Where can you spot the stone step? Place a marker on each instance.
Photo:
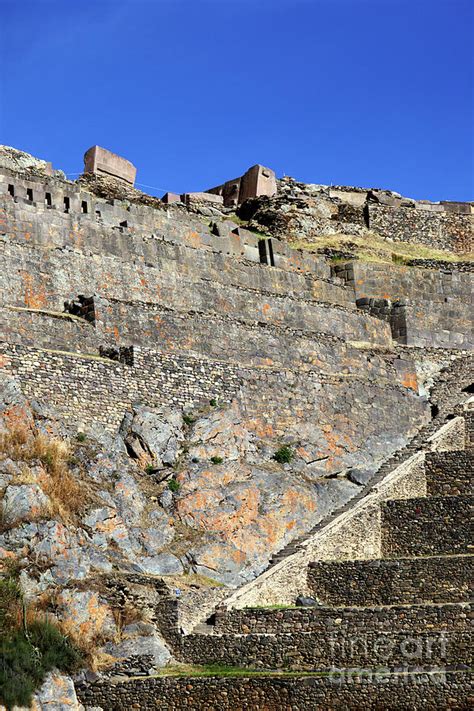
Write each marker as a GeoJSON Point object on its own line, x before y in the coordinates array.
{"type": "Point", "coordinates": [313, 650]}
{"type": "Point", "coordinates": [449, 473]}
{"type": "Point", "coordinates": [426, 526]}
{"type": "Point", "coordinates": [369, 583]}
{"type": "Point", "coordinates": [350, 620]}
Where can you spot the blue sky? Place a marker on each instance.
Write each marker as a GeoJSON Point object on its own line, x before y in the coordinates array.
{"type": "Point", "coordinates": [355, 92]}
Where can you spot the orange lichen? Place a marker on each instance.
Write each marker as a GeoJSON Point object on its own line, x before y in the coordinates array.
{"type": "Point", "coordinates": [410, 381]}
{"type": "Point", "coordinates": [35, 297]}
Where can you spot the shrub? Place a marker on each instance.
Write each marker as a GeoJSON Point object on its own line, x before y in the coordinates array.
{"type": "Point", "coordinates": [25, 661]}
{"type": "Point", "coordinates": [284, 455]}
{"type": "Point", "coordinates": [28, 651]}
{"type": "Point", "coordinates": [216, 460]}
{"type": "Point", "coordinates": [174, 485]}
{"type": "Point", "coordinates": [213, 402]}
{"type": "Point", "coordinates": [188, 419]}
{"type": "Point", "coordinates": [149, 469]}
{"type": "Point", "coordinates": [81, 437]}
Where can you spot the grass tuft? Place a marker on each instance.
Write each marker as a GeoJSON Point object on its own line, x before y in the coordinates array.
{"type": "Point", "coordinates": [372, 247]}
{"type": "Point", "coordinates": [284, 455]}
{"type": "Point", "coordinates": [28, 446]}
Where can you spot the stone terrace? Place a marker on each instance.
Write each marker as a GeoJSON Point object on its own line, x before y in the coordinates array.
{"type": "Point", "coordinates": [399, 618]}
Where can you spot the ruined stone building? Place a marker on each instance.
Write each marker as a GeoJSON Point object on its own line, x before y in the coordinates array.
{"type": "Point", "coordinates": [252, 424]}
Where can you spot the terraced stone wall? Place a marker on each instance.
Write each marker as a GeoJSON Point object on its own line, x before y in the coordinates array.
{"type": "Point", "coordinates": [357, 619]}
{"type": "Point", "coordinates": [426, 526]}
{"type": "Point", "coordinates": [124, 224]}
{"type": "Point", "coordinates": [436, 306]}
{"type": "Point", "coordinates": [344, 690]}
{"type": "Point", "coordinates": [300, 650]}
{"type": "Point", "coordinates": [391, 582]}
{"type": "Point", "coordinates": [449, 473]}
{"type": "Point", "coordinates": [88, 389]}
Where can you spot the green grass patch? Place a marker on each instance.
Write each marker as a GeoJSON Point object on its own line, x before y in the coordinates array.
{"type": "Point", "coordinates": [174, 485]}
{"type": "Point", "coordinates": [275, 607]}
{"type": "Point", "coordinates": [216, 670]}
{"type": "Point", "coordinates": [216, 460]}
{"type": "Point", "coordinates": [372, 247]}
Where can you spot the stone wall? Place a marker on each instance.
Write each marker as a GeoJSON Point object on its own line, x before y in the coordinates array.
{"type": "Point", "coordinates": [404, 581]}
{"type": "Point", "coordinates": [396, 282]}
{"type": "Point", "coordinates": [341, 691]}
{"type": "Point", "coordinates": [426, 526]}
{"type": "Point", "coordinates": [449, 473]}
{"type": "Point", "coordinates": [349, 620]}
{"type": "Point", "coordinates": [432, 225]}
{"type": "Point", "coordinates": [87, 389]}
{"type": "Point", "coordinates": [308, 651]}
{"type": "Point", "coordinates": [62, 212]}
{"type": "Point", "coordinates": [424, 308]}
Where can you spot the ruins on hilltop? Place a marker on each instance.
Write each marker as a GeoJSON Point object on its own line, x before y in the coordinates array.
{"type": "Point", "coordinates": [271, 438]}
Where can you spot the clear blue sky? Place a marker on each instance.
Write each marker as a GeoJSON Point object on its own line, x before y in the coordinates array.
{"type": "Point", "coordinates": [355, 92]}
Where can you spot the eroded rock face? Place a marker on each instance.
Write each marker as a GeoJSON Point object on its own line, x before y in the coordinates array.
{"type": "Point", "coordinates": [153, 435]}
{"type": "Point", "coordinates": [86, 613]}
{"type": "Point", "coordinates": [26, 501]}
{"type": "Point", "coordinates": [14, 407]}
{"type": "Point", "coordinates": [243, 503]}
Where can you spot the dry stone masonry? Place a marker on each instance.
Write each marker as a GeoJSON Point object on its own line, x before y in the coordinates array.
{"type": "Point", "coordinates": [277, 444]}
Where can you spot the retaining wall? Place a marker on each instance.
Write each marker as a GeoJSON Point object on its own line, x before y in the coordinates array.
{"type": "Point", "coordinates": [426, 526]}
{"type": "Point", "coordinates": [391, 582]}
{"type": "Point", "coordinates": [450, 691]}
{"type": "Point", "coordinates": [449, 473]}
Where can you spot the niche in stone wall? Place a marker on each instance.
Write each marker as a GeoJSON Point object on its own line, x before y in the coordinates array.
{"type": "Point", "coordinates": [82, 306]}
{"type": "Point", "coordinates": [123, 354]}
{"type": "Point", "coordinates": [265, 252]}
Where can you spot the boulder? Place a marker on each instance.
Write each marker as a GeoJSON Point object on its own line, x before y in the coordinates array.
{"type": "Point", "coordinates": [14, 408]}
{"type": "Point", "coordinates": [85, 615]}
{"type": "Point", "coordinates": [57, 693]}
{"type": "Point", "coordinates": [153, 435]}
{"type": "Point", "coordinates": [151, 646]}
{"type": "Point", "coordinates": [23, 502]}
{"type": "Point", "coordinates": [304, 601]}
{"type": "Point", "coordinates": [162, 564]}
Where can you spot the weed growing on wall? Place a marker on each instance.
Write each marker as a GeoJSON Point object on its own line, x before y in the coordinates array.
{"type": "Point", "coordinates": [174, 485]}
{"type": "Point", "coordinates": [284, 455]}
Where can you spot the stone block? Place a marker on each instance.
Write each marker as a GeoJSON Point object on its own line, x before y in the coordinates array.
{"type": "Point", "coordinates": [171, 197]}
{"type": "Point", "coordinates": [257, 180]}
{"type": "Point", "coordinates": [100, 161]}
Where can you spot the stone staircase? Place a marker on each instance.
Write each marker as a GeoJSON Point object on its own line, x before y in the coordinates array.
{"type": "Point", "coordinates": [390, 632]}
{"type": "Point", "coordinates": [444, 397]}
{"type": "Point", "coordinates": [406, 612]}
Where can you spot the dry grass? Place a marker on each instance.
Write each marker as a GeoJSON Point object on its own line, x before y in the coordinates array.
{"type": "Point", "coordinates": [126, 615]}
{"type": "Point", "coordinates": [374, 248]}
{"type": "Point", "coordinates": [24, 445]}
